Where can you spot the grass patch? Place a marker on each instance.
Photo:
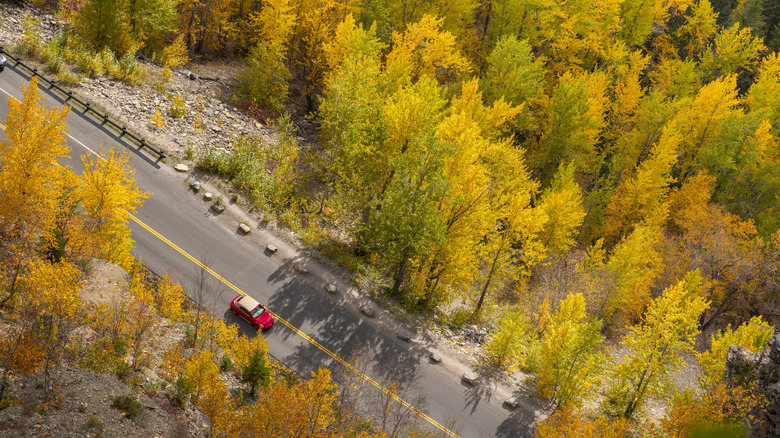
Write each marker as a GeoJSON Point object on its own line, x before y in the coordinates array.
{"type": "Point", "coordinates": [130, 405]}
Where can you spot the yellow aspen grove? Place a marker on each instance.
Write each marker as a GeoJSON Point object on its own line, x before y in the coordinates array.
{"type": "Point", "coordinates": [635, 263]}
{"type": "Point", "coordinates": [699, 28]}
{"type": "Point", "coordinates": [472, 129]}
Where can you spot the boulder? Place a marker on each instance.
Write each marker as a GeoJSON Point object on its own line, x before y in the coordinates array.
{"type": "Point", "coordinates": [367, 310]}
{"type": "Point", "coordinates": [244, 228]}
{"type": "Point", "coordinates": [471, 377]}
{"type": "Point", "coordinates": [208, 196]}
{"type": "Point", "coordinates": [404, 336]}
{"type": "Point", "coordinates": [763, 370]}
{"type": "Point", "coordinates": [774, 348]}
{"type": "Point", "coordinates": [331, 288]}
{"type": "Point", "coordinates": [181, 167]}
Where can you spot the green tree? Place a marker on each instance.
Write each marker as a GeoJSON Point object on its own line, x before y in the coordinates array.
{"type": "Point", "coordinates": [572, 121]}
{"type": "Point", "coordinates": [514, 74]}
{"type": "Point", "coordinates": [407, 224]}
{"type": "Point", "coordinates": [152, 22]}
{"type": "Point", "coordinates": [667, 330]}
{"type": "Point", "coordinates": [351, 114]}
{"type": "Point", "coordinates": [265, 82]}
{"type": "Point", "coordinates": [105, 23]}
{"type": "Point", "coordinates": [256, 372]}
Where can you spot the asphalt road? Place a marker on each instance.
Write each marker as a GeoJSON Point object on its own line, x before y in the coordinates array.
{"type": "Point", "coordinates": [453, 408]}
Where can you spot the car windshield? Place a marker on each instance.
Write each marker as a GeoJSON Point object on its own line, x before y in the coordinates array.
{"type": "Point", "coordinates": [257, 311]}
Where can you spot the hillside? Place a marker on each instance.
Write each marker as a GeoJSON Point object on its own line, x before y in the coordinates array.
{"type": "Point", "coordinates": [580, 198]}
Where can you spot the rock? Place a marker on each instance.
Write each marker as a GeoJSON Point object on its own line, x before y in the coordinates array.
{"type": "Point", "coordinates": [512, 403]}
{"type": "Point", "coordinates": [434, 357]}
{"type": "Point", "coordinates": [331, 288]}
{"type": "Point", "coordinates": [367, 310]}
{"type": "Point", "coordinates": [181, 167]}
{"type": "Point", "coordinates": [301, 269]}
{"type": "Point", "coordinates": [774, 348]}
{"type": "Point", "coordinates": [218, 208]}
{"type": "Point", "coordinates": [272, 249]}
{"type": "Point", "coordinates": [216, 128]}
{"type": "Point", "coordinates": [471, 377]}
{"type": "Point", "coordinates": [195, 185]}
{"type": "Point", "coordinates": [244, 228]}
{"type": "Point", "coordinates": [208, 196]}
{"type": "Point", "coordinates": [404, 336]}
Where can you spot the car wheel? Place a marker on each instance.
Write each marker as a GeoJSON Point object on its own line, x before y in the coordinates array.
{"type": "Point", "coordinates": [234, 311]}
{"type": "Point", "coordinates": [2, 67]}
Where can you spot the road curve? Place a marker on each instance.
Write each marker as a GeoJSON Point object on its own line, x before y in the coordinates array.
{"type": "Point", "coordinates": [174, 231]}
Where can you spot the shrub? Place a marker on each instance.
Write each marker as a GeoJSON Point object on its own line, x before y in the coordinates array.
{"type": "Point", "coordinates": [31, 44]}
{"type": "Point", "coordinates": [177, 109]}
{"type": "Point", "coordinates": [226, 363]}
{"type": "Point", "coordinates": [180, 392]}
{"type": "Point", "coordinates": [130, 70]}
{"type": "Point", "coordinates": [130, 405]}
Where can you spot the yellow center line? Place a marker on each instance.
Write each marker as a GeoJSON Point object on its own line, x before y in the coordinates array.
{"type": "Point", "coordinates": [306, 337]}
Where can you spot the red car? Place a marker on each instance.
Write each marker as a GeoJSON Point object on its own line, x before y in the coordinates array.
{"type": "Point", "coordinates": [252, 311]}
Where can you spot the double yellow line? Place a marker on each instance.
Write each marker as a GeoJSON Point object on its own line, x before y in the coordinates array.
{"type": "Point", "coordinates": [308, 338]}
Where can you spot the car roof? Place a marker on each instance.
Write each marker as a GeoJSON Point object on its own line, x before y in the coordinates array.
{"type": "Point", "coordinates": [248, 302]}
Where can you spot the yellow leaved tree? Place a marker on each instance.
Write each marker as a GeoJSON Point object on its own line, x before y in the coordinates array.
{"type": "Point", "coordinates": [569, 363]}
{"type": "Point", "coordinates": [668, 329]}
{"type": "Point", "coordinates": [641, 198]}
{"type": "Point", "coordinates": [31, 182]}
{"type": "Point", "coordinates": [753, 335]}
{"type": "Point", "coordinates": [108, 197]}
{"type": "Point", "coordinates": [423, 49]}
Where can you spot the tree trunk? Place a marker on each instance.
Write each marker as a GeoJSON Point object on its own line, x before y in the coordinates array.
{"type": "Point", "coordinates": [399, 278]}
{"type": "Point", "coordinates": [12, 288]}
{"type": "Point", "coordinates": [487, 283]}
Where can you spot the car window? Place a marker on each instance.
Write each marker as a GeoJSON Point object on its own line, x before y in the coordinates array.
{"type": "Point", "coordinates": [258, 311]}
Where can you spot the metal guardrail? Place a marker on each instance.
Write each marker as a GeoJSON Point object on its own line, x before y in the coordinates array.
{"type": "Point", "coordinates": [70, 98]}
